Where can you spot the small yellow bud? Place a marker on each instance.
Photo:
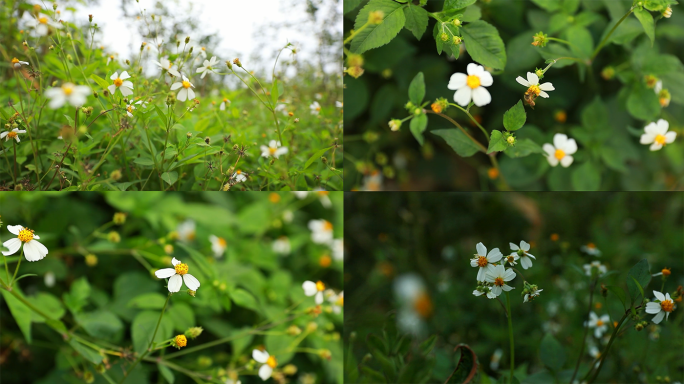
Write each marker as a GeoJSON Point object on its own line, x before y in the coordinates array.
{"type": "Point", "coordinates": [119, 218]}
{"type": "Point", "coordinates": [91, 260]}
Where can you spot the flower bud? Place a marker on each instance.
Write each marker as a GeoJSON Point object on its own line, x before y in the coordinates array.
{"type": "Point", "coordinates": [444, 36]}
{"type": "Point", "coordinates": [376, 17]}
{"type": "Point", "coordinates": [170, 98]}
{"type": "Point", "coordinates": [540, 39]}
{"type": "Point", "coordinates": [88, 377]}
{"type": "Point", "coordinates": [290, 369]}
{"type": "Point", "coordinates": [229, 65]}
{"type": "Point", "coordinates": [457, 40]}
{"type": "Point", "coordinates": [354, 60]}
{"type": "Point", "coordinates": [116, 176]}
{"type": "Point", "coordinates": [355, 72]}
{"type": "Point", "coordinates": [179, 341]}
{"type": "Point", "coordinates": [90, 18]}
{"type": "Point", "coordinates": [293, 330]}
{"type": "Point", "coordinates": [54, 6]}
{"type": "Point", "coordinates": [667, 13]}
{"type": "Point", "coordinates": [650, 80]}
{"type": "Point", "coordinates": [237, 62]}
{"type": "Point", "coordinates": [187, 39]}
{"type": "Point", "coordinates": [119, 218]}
{"type": "Point", "coordinates": [395, 124]}
{"type": "Point", "coordinates": [456, 22]}
{"type": "Point", "coordinates": [114, 236]}
{"type": "Point", "coordinates": [91, 260]}
{"type": "Point", "coordinates": [296, 120]}
{"type": "Point", "coordinates": [168, 249]}
{"type": "Point", "coordinates": [325, 353]}
{"type": "Point", "coordinates": [194, 332]}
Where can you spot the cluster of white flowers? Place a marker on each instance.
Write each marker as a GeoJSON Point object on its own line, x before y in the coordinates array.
{"type": "Point", "coordinates": [492, 275]}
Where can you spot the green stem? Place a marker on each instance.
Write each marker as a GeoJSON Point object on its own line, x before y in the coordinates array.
{"type": "Point", "coordinates": [605, 39]}
{"type": "Point", "coordinates": [6, 268]}
{"type": "Point", "coordinates": [17, 268]}
{"type": "Point", "coordinates": [348, 39]}
{"type": "Point", "coordinates": [510, 334]}
{"type": "Point", "coordinates": [147, 350]}
{"type": "Point", "coordinates": [564, 42]}
{"type": "Point", "coordinates": [472, 118]}
{"type": "Point", "coordinates": [452, 121]}
{"type": "Point", "coordinates": [586, 329]}
{"type": "Point", "coordinates": [610, 342]}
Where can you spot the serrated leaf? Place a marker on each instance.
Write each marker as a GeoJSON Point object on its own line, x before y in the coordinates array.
{"type": "Point", "coordinates": [515, 117]}
{"type": "Point", "coordinates": [418, 126]}
{"type": "Point", "coordinates": [456, 4]}
{"type": "Point", "coordinates": [639, 273]}
{"type": "Point", "coordinates": [483, 43]}
{"type": "Point", "coordinates": [457, 140]}
{"type": "Point", "coordinates": [646, 20]}
{"type": "Point", "coordinates": [497, 143]}
{"type": "Point", "coordinates": [416, 20]}
{"type": "Point", "coordinates": [417, 89]}
{"type": "Point", "coordinates": [377, 35]}
{"type": "Point", "coordinates": [551, 353]}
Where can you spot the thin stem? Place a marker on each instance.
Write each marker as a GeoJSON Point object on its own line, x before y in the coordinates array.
{"type": "Point", "coordinates": [472, 118]}
{"type": "Point", "coordinates": [610, 342]}
{"type": "Point", "coordinates": [564, 42]}
{"type": "Point", "coordinates": [452, 121]}
{"type": "Point", "coordinates": [510, 334]}
{"type": "Point", "coordinates": [503, 306]}
{"type": "Point", "coordinates": [586, 329]}
{"type": "Point", "coordinates": [17, 268]}
{"type": "Point", "coordinates": [64, 155]}
{"type": "Point", "coordinates": [14, 144]}
{"type": "Point", "coordinates": [353, 34]}
{"type": "Point", "coordinates": [605, 39]}
{"type": "Point", "coordinates": [6, 269]}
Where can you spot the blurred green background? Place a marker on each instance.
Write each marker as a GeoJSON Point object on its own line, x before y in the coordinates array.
{"type": "Point", "coordinates": [621, 162]}
{"type": "Point", "coordinates": [434, 235]}
{"type": "Point", "coordinates": [250, 285]}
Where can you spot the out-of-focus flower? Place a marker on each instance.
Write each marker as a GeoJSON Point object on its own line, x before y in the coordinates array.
{"type": "Point", "coordinates": [657, 135]}
{"type": "Point", "coordinates": [281, 245]}
{"type": "Point", "coordinates": [73, 94]}
{"type": "Point", "coordinates": [314, 289]}
{"type": "Point", "coordinates": [218, 245]}
{"type": "Point", "coordinates": [41, 23]}
{"type": "Point", "coordinates": [415, 303]}
{"type": "Point", "coordinates": [186, 231]}
{"type": "Point", "coordinates": [321, 231]}
{"type": "Point", "coordinates": [600, 324]}
{"type": "Point", "coordinates": [269, 363]}
{"type": "Point", "coordinates": [590, 249]}
{"type": "Point", "coordinates": [315, 108]}
{"type": "Point", "coordinates": [208, 66]}
{"type": "Point", "coordinates": [224, 103]}
{"type": "Point", "coordinates": [601, 269]}
{"type": "Point", "coordinates": [274, 149]}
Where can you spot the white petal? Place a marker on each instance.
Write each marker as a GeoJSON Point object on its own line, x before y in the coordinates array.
{"type": "Point", "coordinates": [114, 76]}
{"type": "Point", "coordinates": [15, 229]}
{"type": "Point", "coordinates": [319, 298]}
{"type": "Point", "coordinates": [670, 137]}
{"type": "Point", "coordinates": [127, 84]}
{"type": "Point", "coordinates": [174, 72]}
{"type": "Point", "coordinates": [507, 288]}
{"type": "Point", "coordinates": [486, 79]}
{"type": "Point", "coordinates": [41, 248]}
{"type": "Point", "coordinates": [525, 262]}
{"type": "Point", "coordinates": [260, 356]}
{"type": "Point", "coordinates": [125, 91]}
{"type": "Point", "coordinates": [494, 255]}
{"type": "Point", "coordinates": [182, 94]}
{"type": "Point", "coordinates": [651, 128]}
{"type": "Point", "coordinates": [522, 81]}
{"type": "Point", "coordinates": [474, 69]}
{"type": "Point", "coordinates": [175, 86]}
{"type": "Point", "coordinates": [496, 290]}
{"type": "Point", "coordinates": [175, 261]}
{"type": "Point", "coordinates": [481, 96]}
{"type": "Point", "coordinates": [112, 89]}
{"type": "Point", "coordinates": [191, 94]}
{"type": "Point", "coordinates": [265, 372]}
{"type": "Point", "coordinates": [663, 125]}
{"type": "Point", "coordinates": [543, 94]}
{"type": "Point", "coordinates": [463, 96]}
{"type": "Point", "coordinates": [165, 273]}
{"type": "Point", "coordinates": [481, 276]}
{"type": "Point", "coordinates": [309, 288]}
{"type": "Point", "coordinates": [13, 245]}
{"type": "Point", "coordinates": [655, 146]}
{"type": "Point", "coordinates": [566, 161]}
{"type": "Point", "coordinates": [552, 160]}
{"type": "Point", "coordinates": [647, 138]}
{"type": "Point", "coordinates": [559, 140]}
{"type": "Point", "coordinates": [513, 246]}
{"type": "Point", "coordinates": [570, 147]}
{"type": "Point", "coordinates": [124, 76]}
{"type": "Point", "coordinates": [659, 295]}
{"type": "Point", "coordinates": [175, 283]}
{"type": "Point", "coordinates": [481, 249]}
{"type": "Point", "coordinates": [457, 81]}
{"type": "Point", "coordinates": [191, 281]}
{"type": "Point", "coordinates": [532, 78]}
{"type": "Point", "coordinates": [547, 87]}
{"type": "Point", "coordinates": [524, 245]}
{"type": "Point", "coordinates": [32, 252]}
{"type": "Point", "coordinates": [659, 317]}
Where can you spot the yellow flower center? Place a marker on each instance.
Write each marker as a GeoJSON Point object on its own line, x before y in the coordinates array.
{"type": "Point", "coordinates": [499, 281]}
{"type": "Point", "coordinates": [272, 150]}
{"type": "Point", "coordinates": [181, 341]}
{"type": "Point", "coordinates": [323, 193]}
{"type": "Point", "coordinates": [482, 261]}
{"type": "Point", "coordinates": [511, 259]}
{"type": "Point", "coordinates": [225, 100]}
{"type": "Point", "coordinates": [118, 82]}
{"type": "Point", "coordinates": [660, 139]}
{"type": "Point", "coordinates": [181, 268]}
{"type": "Point", "coordinates": [473, 81]}
{"type": "Point", "coordinates": [129, 109]}
{"type": "Point", "coordinates": [239, 172]}
{"type": "Point", "coordinates": [25, 235]}
{"type": "Point", "coordinates": [534, 89]}
{"type": "Point", "coordinates": [320, 286]}
{"type": "Point", "coordinates": [423, 305]}
{"type": "Point", "coordinates": [667, 305]}
{"type": "Point", "coordinates": [327, 226]}
{"type": "Point", "coordinates": [325, 261]}
{"type": "Point", "coordinates": [591, 246]}
{"type": "Point", "coordinates": [221, 242]}
{"type": "Point", "coordinates": [67, 89]}
{"type": "Point", "coordinates": [272, 362]}
{"type": "Point", "coordinates": [559, 154]}
{"type": "Point", "coordinates": [12, 135]}
{"type": "Point", "coordinates": [15, 61]}
{"type": "Point", "coordinates": [599, 323]}
{"type": "Point", "coordinates": [43, 20]}
{"type": "Point", "coordinates": [666, 271]}
{"type": "Point", "coordinates": [186, 84]}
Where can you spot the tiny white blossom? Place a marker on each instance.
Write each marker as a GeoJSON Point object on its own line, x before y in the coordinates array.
{"type": "Point", "coordinates": [598, 323]}
{"type": "Point", "coordinates": [269, 363]}
{"type": "Point", "coordinates": [33, 250]}
{"type": "Point", "coordinates": [186, 93]}
{"type": "Point", "coordinates": [321, 231]}
{"type": "Point", "coordinates": [218, 245]}
{"type": "Point", "coordinates": [561, 150]}
{"type": "Point", "coordinates": [533, 86]}
{"type": "Point", "coordinates": [125, 87]}
{"type": "Point", "coordinates": [314, 289]}
{"type": "Point", "coordinates": [13, 134]}
{"type": "Point", "coordinates": [177, 275]}
{"type": "Point", "coordinates": [167, 66]}
{"type": "Point", "coordinates": [274, 149]}
{"type": "Point", "coordinates": [657, 135]}
{"type": "Point", "coordinates": [590, 249]}
{"type": "Point", "coordinates": [483, 261]}
{"type": "Point", "coordinates": [225, 103]}
{"type": "Point", "coordinates": [594, 264]}
{"type": "Point", "coordinates": [471, 86]}
{"type": "Point", "coordinates": [208, 66]}
{"type": "Point", "coordinates": [315, 108]}
{"type": "Point", "coordinates": [661, 306]}
{"type": "Point", "coordinates": [498, 276]}
{"type": "Point", "coordinates": [41, 23]}
{"type": "Point", "coordinates": [239, 176]}
{"type": "Point", "coordinates": [16, 64]}
{"type": "Point", "coordinates": [73, 94]}
{"type": "Point", "coordinates": [186, 231]}
{"type": "Point", "coordinates": [522, 251]}
{"type": "Point", "coordinates": [281, 245]}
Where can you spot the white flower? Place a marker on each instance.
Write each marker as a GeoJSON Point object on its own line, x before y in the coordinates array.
{"type": "Point", "coordinates": [274, 149]}
{"type": "Point", "coordinates": [657, 135]}
{"type": "Point", "coordinates": [416, 304]}
{"type": "Point", "coordinates": [282, 108]}
{"type": "Point", "coordinates": [372, 182]}
{"type": "Point", "coordinates": [495, 359]}
{"type": "Point", "coordinates": [530, 296]}
{"type": "Point", "coordinates": [186, 93]}
{"type": "Point", "coordinates": [590, 249]}
{"type": "Point", "coordinates": [178, 274]}
{"type": "Point", "coordinates": [522, 252]}
{"type": "Point", "coordinates": [478, 292]}
{"type": "Point", "coordinates": [49, 279]}
{"type": "Point", "coordinates": [131, 107]}
{"type": "Point", "coordinates": [323, 197]}
{"type": "Point", "coordinates": [339, 104]}
{"type": "Point", "coordinates": [239, 176]}
{"type": "Point", "coordinates": [281, 245]}
{"type": "Point", "coordinates": [125, 87]}
{"type": "Point", "coordinates": [186, 231]}
{"type": "Point", "coordinates": [498, 276]}
{"type": "Point", "coordinates": [658, 87]}
{"type": "Point", "coordinates": [269, 362]}
{"type": "Point", "coordinates": [41, 22]}
{"type": "Point", "coordinates": [533, 86]}
{"type": "Point", "coordinates": [168, 66]}
{"type": "Point", "coordinates": [314, 289]}
{"type": "Point", "coordinates": [33, 250]}
{"type": "Point", "coordinates": [599, 324]}
{"type": "Point", "coordinates": [321, 231]}
{"type": "Point", "coordinates": [13, 134]}
{"type": "Point", "coordinates": [337, 300]}
{"type": "Point", "coordinates": [484, 262]}
{"type": "Point", "coordinates": [218, 245]}
{"type": "Point", "coordinates": [661, 307]}
{"type": "Point", "coordinates": [512, 259]}
{"type": "Point", "coordinates": [224, 103]}
{"type": "Point", "coordinates": [301, 194]}
{"type": "Point", "coordinates": [600, 267]}
{"type": "Point", "coordinates": [337, 247]}
{"type": "Point", "coordinates": [17, 64]}
{"type": "Point", "coordinates": [561, 150]}
{"type": "Point", "coordinates": [471, 86]}
{"type": "Point", "coordinates": [74, 94]}
{"type": "Point", "coordinates": [288, 216]}
{"type": "Point", "coordinates": [231, 381]}
{"type": "Point", "coordinates": [315, 108]}
{"type": "Point", "coordinates": [208, 66]}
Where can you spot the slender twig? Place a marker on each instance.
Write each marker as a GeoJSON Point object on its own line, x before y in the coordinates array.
{"type": "Point", "coordinates": [510, 335]}
{"type": "Point", "coordinates": [452, 121]}
{"type": "Point", "coordinates": [610, 342]}
{"type": "Point", "coordinates": [471, 118]}
{"type": "Point", "coordinates": [17, 268]}
{"type": "Point", "coordinates": [605, 39]}
{"type": "Point", "coordinates": [586, 329]}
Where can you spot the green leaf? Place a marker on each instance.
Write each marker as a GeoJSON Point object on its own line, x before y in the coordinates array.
{"type": "Point", "coordinates": [167, 373]}
{"type": "Point", "coordinates": [515, 117]}
{"type": "Point", "coordinates": [375, 342]}
{"type": "Point", "coordinates": [643, 102]}
{"type": "Point", "coordinates": [595, 115]}
{"type": "Point", "coordinates": [170, 177]}
{"type": "Point", "coordinates": [586, 177]}
{"type": "Point", "coordinates": [471, 14]}
{"type": "Point", "coordinates": [674, 82]}
{"type": "Point", "coordinates": [497, 143]}
{"type": "Point", "coordinates": [522, 148]}
{"type": "Point", "coordinates": [377, 35]}
{"type": "Point", "coordinates": [151, 300]}
{"type": "Point", "coordinates": [552, 353]}
{"type": "Point", "coordinates": [416, 20]}
{"type": "Point", "coordinates": [570, 6]}
{"type": "Point", "coordinates": [417, 89]}
{"type": "Point", "coordinates": [466, 368]}
{"type": "Point", "coordinates": [276, 91]}
{"type": "Point", "coordinates": [49, 304]}
{"type": "Point", "coordinates": [78, 295]}
{"type": "Point", "coordinates": [100, 81]}
{"type": "Point", "coordinates": [483, 43]}
{"type": "Point", "coordinates": [87, 352]}
{"type": "Point", "coordinates": [315, 156]}
{"type": "Point", "coordinates": [100, 324]}
{"type": "Point", "coordinates": [657, 5]}
{"type": "Point", "coordinates": [21, 314]}
{"type": "Point", "coordinates": [640, 273]}
{"type": "Point", "coordinates": [244, 299]}
{"type": "Point", "coordinates": [428, 345]}
{"type": "Point", "coordinates": [620, 293]}
{"type": "Point", "coordinates": [418, 126]}
{"type": "Point", "coordinates": [662, 64]}
{"type": "Point", "coordinates": [613, 159]}
{"type": "Point", "coordinates": [182, 316]}
{"type": "Point", "coordinates": [646, 20]}
{"type": "Point", "coordinates": [549, 5]}
{"type": "Point", "coordinates": [143, 327]}
{"type": "Point", "coordinates": [144, 161]}
{"type": "Point", "coordinates": [582, 41]}
{"type": "Point", "coordinates": [350, 5]}
{"type": "Point", "coordinates": [456, 4]}
{"type": "Point", "coordinates": [457, 140]}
